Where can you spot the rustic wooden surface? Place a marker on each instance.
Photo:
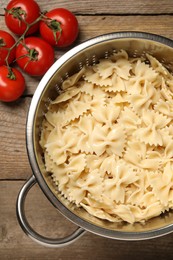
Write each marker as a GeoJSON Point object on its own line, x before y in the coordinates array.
{"type": "Point", "coordinates": [95, 17]}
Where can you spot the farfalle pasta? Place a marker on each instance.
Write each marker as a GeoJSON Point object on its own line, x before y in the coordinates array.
{"type": "Point", "coordinates": [107, 139]}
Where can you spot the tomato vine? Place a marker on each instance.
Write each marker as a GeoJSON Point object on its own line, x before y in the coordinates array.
{"type": "Point", "coordinates": [33, 54]}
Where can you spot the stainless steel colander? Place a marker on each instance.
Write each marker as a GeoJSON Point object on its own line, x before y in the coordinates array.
{"type": "Point", "coordinates": [87, 53]}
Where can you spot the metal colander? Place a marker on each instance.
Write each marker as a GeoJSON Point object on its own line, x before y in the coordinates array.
{"type": "Point", "coordinates": [87, 53]}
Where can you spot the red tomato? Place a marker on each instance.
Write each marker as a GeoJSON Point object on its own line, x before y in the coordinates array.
{"type": "Point", "coordinates": [6, 41]}
{"type": "Point", "coordinates": [61, 29]}
{"type": "Point", "coordinates": [12, 84]}
{"type": "Point", "coordinates": [34, 56]}
{"type": "Point", "coordinates": [20, 12]}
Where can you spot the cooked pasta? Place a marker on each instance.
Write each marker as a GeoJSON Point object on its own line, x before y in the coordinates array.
{"type": "Point", "coordinates": [108, 139]}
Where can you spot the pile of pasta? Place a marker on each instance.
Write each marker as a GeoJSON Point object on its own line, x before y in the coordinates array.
{"type": "Point", "coordinates": [108, 138]}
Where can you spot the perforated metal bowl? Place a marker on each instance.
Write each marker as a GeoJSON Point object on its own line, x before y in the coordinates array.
{"type": "Point", "coordinates": [136, 44]}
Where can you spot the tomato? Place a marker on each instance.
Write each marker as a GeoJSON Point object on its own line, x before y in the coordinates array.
{"type": "Point", "coordinates": [34, 56]}
{"type": "Point", "coordinates": [61, 29]}
{"type": "Point", "coordinates": [6, 41]}
{"type": "Point", "coordinates": [20, 12]}
{"type": "Point", "coordinates": [12, 84]}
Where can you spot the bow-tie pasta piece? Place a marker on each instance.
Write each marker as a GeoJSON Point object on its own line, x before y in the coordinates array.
{"type": "Point", "coordinates": [107, 139]}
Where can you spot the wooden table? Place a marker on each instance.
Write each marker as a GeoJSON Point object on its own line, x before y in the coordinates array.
{"type": "Point", "coordinates": [95, 17]}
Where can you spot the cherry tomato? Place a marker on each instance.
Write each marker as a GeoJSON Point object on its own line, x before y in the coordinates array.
{"type": "Point", "coordinates": [18, 12]}
{"type": "Point", "coordinates": [6, 41]}
{"type": "Point", "coordinates": [61, 29]}
{"type": "Point", "coordinates": [12, 84]}
{"type": "Point", "coordinates": [34, 56]}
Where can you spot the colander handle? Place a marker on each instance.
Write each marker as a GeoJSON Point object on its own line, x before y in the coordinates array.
{"type": "Point", "coordinates": [59, 242]}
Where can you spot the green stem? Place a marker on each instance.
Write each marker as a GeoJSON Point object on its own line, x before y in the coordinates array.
{"type": "Point", "coordinates": [55, 26]}
{"type": "Point", "coordinates": [2, 43]}
{"type": "Point", "coordinates": [21, 57]}
{"type": "Point", "coordinates": [28, 26]}
{"type": "Point", "coordinates": [11, 74]}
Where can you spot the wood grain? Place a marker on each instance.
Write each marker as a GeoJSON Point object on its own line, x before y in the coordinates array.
{"type": "Point", "coordinates": [106, 7]}
{"type": "Point", "coordinates": [13, 162]}
{"type": "Point", "coordinates": [95, 18]}
{"type": "Point", "coordinates": [45, 219]}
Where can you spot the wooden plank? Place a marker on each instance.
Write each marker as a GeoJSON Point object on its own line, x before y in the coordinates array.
{"type": "Point", "coordinates": [45, 219]}
{"type": "Point", "coordinates": [106, 24]}
{"type": "Point", "coordinates": [13, 163]}
{"type": "Point", "coordinates": [105, 7]}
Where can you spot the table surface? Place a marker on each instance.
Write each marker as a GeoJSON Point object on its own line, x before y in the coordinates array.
{"type": "Point", "coordinates": [95, 18]}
